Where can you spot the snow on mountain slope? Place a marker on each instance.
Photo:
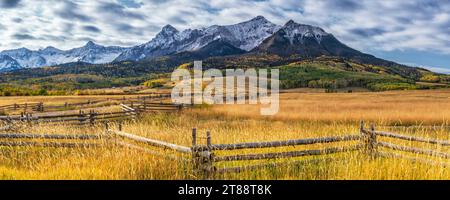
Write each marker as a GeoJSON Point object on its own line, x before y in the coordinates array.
{"type": "Point", "coordinates": [293, 30]}
{"type": "Point", "coordinates": [246, 36]}
{"type": "Point", "coordinates": [89, 53]}
{"type": "Point", "coordinates": [25, 57]}
{"type": "Point", "coordinates": [251, 33]}
{"type": "Point", "coordinates": [7, 63]}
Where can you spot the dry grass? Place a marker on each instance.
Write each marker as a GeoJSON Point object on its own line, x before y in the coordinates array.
{"type": "Point", "coordinates": [301, 116]}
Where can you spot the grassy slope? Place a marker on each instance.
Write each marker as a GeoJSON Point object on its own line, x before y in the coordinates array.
{"type": "Point", "coordinates": [322, 72]}
{"type": "Point", "coordinates": [301, 116]}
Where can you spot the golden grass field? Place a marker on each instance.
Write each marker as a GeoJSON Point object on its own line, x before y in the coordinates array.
{"type": "Point", "coordinates": [302, 115]}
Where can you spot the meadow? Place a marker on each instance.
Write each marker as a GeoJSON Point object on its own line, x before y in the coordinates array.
{"type": "Point", "coordinates": [426, 113]}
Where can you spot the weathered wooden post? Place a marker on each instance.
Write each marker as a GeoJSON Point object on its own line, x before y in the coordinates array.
{"type": "Point", "coordinates": [106, 127]}
{"type": "Point", "coordinates": [194, 137]}
{"type": "Point", "coordinates": [81, 117]}
{"type": "Point", "coordinates": [92, 117]}
{"type": "Point", "coordinates": [28, 116]}
{"type": "Point", "coordinates": [120, 126]}
{"type": "Point", "coordinates": [108, 134]}
{"type": "Point", "coordinates": [195, 154]}
{"type": "Point", "coordinates": [42, 106]}
{"type": "Point", "coordinates": [372, 141]}
{"type": "Point", "coordinates": [25, 107]}
{"type": "Point", "coordinates": [15, 106]}
{"type": "Point", "coordinates": [208, 157]}
{"type": "Point", "coordinates": [364, 136]}
{"type": "Point", "coordinates": [369, 138]}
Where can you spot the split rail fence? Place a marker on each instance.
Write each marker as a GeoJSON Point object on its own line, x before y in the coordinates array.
{"type": "Point", "coordinates": [81, 118]}
{"type": "Point", "coordinates": [129, 110]}
{"type": "Point", "coordinates": [203, 158]}
{"type": "Point", "coordinates": [42, 107]}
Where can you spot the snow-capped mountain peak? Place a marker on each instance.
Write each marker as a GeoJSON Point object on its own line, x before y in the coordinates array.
{"type": "Point", "coordinates": [245, 35]}
{"type": "Point", "coordinates": [168, 30]}
{"type": "Point", "coordinates": [7, 63]}
{"type": "Point", "coordinates": [91, 44]}
{"type": "Point", "coordinates": [25, 58]}
{"type": "Point", "coordinates": [50, 50]}
{"type": "Point", "coordinates": [293, 29]}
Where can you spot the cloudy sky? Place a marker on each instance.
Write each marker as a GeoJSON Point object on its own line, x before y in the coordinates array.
{"type": "Point", "coordinates": [414, 32]}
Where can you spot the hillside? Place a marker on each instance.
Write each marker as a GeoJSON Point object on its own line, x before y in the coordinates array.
{"type": "Point", "coordinates": [307, 56]}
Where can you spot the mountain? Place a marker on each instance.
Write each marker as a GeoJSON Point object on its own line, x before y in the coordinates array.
{"type": "Point", "coordinates": [25, 57]}
{"type": "Point", "coordinates": [218, 48]}
{"type": "Point", "coordinates": [302, 41]}
{"type": "Point", "coordinates": [305, 41]}
{"type": "Point", "coordinates": [9, 63]}
{"type": "Point", "coordinates": [89, 53]}
{"type": "Point", "coordinates": [245, 36]}
{"type": "Point", "coordinates": [254, 43]}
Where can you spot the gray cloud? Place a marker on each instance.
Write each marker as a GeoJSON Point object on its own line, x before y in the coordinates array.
{"type": "Point", "coordinates": [70, 10]}
{"type": "Point", "coordinates": [368, 32]}
{"type": "Point", "coordinates": [130, 3]}
{"type": "Point", "coordinates": [25, 36]}
{"type": "Point", "coordinates": [9, 3]}
{"type": "Point", "coordinates": [91, 29]}
{"type": "Point", "coordinates": [366, 25]}
{"type": "Point", "coordinates": [344, 5]}
{"type": "Point", "coordinates": [118, 11]}
{"type": "Point", "coordinates": [17, 20]}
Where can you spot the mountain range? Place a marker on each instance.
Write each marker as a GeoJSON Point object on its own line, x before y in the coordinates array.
{"type": "Point", "coordinates": [256, 36]}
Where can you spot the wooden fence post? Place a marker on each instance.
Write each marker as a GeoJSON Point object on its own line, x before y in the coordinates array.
{"type": "Point", "coordinates": [194, 137]}
{"type": "Point", "coordinates": [81, 118]}
{"type": "Point", "coordinates": [372, 141]}
{"type": "Point", "coordinates": [92, 117]}
{"type": "Point", "coordinates": [207, 160]}
{"type": "Point", "coordinates": [29, 117]}
{"type": "Point", "coordinates": [365, 137]}
{"type": "Point", "coordinates": [369, 138]}
{"type": "Point", "coordinates": [195, 153]}
{"type": "Point", "coordinates": [106, 127]}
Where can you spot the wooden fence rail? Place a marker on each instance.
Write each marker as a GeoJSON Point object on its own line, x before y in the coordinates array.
{"type": "Point", "coordinates": [42, 107]}
{"type": "Point", "coordinates": [156, 143]}
{"type": "Point", "coordinates": [288, 154]}
{"type": "Point", "coordinates": [49, 144]}
{"type": "Point", "coordinates": [77, 119]}
{"type": "Point", "coordinates": [47, 136]}
{"type": "Point", "coordinates": [413, 150]}
{"type": "Point", "coordinates": [411, 138]}
{"type": "Point", "coordinates": [203, 157]}
{"type": "Point", "coordinates": [281, 143]}
{"type": "Point", "coordinates": [372, 144]}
